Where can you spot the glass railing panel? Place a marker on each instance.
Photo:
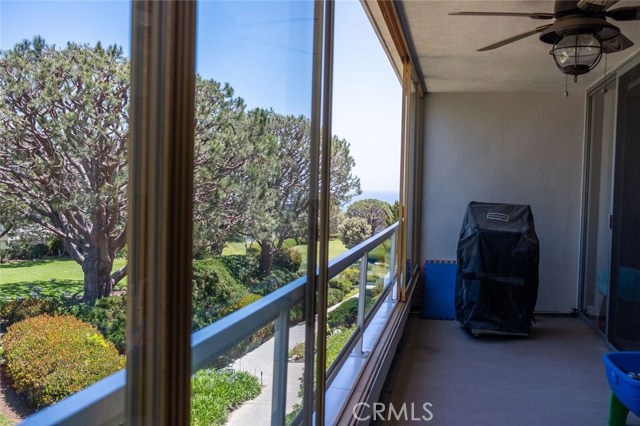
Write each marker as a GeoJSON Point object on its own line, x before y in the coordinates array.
{"type": "Point", "coordinates": [295, 365]}
{"type": "Point", "coordinates": [347, 320]}
{"type": "Point", "coordinates": [378, 273]}
{"type": "Point", "coordinates": [236, 388]}
{"type": "Point", "coordinates": [231, 343]}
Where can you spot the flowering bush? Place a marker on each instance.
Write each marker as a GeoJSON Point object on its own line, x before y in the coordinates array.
{"type": "Point", "coordinates": [12, 311]}
{"type": "Point", "coordinates": [51, 357]}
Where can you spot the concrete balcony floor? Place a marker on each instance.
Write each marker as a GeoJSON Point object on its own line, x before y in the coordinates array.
{"type": "Point", "coordinates": [553, 377]}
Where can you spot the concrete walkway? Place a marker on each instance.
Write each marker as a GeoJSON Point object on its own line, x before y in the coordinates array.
{"type": "Point", "coordinates": [259, 362]}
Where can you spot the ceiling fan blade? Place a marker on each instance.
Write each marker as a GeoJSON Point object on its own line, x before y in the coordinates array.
{"type": "Point", "coordinates": [630, 13]}
{"type": "Point", "coordinates": [596, 5]}
{"type": "Point", "coordinates": [616, 44]}
{"type": "Point", "coordinates": [515, 38]}
{"type": "Point", "coordinates": [524, 15]}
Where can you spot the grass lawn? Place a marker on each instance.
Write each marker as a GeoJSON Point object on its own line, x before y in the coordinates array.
{"type": "Point", "coordinates": [53, 276]}
{"type": "Point", "coordinates": [233, 249]}
{"type": "Point", "coordinates": [57, 276]}
{"type": "Point", "coordinates": [336, 248]}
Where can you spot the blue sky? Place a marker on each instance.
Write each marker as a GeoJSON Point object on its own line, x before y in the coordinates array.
{"type": "Point", "coordinates": [264, 50]}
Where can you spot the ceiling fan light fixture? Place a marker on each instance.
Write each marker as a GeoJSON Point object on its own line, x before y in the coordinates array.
{"type": "Point", "coordinates": [577, 53]}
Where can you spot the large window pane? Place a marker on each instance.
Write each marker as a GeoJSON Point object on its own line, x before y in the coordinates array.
{"type": "Point", "coordinates": [64, 123]}
{"type": "Point", "coordinates": [366, 120]}
{"type": "Point", "coordinates": [251, 184]}
{"type": "Point", "coordinates": [597, 253]}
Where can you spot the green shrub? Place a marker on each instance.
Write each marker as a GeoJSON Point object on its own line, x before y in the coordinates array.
{"type": "Point", "coordinates": [378, 255]}
{"type": "Point", "coordinates": [123, 252]}
{"type": "Point", "coordinates": [245, 269]}
{"type": "Point", "coordinates": [245, 300]}
{"type": "Point", "coordinates": [51, 357]}
{"type": "Point", "coordinates": [26, 251]}
{"type": "Point", "coordinates": [254, 250]}
{"type": "Point", "coordinates": [378, 288]}
{"type": "Point", "coordinates": [288, 259]}
{"type": "Point", "coordinates": [345, 315]}
{"type": "Point", "coordinates": [352, 274]}
{"type": "Point", "coordinates": [30, 248]}
{"type": "Point", "coordinates": [289, 243]}
{"type": "Point", "coordinates": [108, 315]}
{"type": "Point", "coordinates": [341, 284]}
{"type": "Point", "coordinates": [12, 311]}
{"type": "Point", "coordinates": [215, 393]}
{"type": "Point", "coordinates": [296, 313]}
{"type": "Point", "coordinates": [214, 291]}
{"type": "Point", "coordinates": [335, 296]}
{"type": "Point", "coordinates": [335, 342]}
{"type": "Point", "coordinates": [293, 414]}
{"type": "Point", "coordinates": [276, 279]}
{"type": "Point", "coordinates": [55, 246]}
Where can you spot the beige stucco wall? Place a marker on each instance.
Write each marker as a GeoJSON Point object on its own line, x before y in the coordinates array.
{"type": "Point", "coordinates": [508, 147]}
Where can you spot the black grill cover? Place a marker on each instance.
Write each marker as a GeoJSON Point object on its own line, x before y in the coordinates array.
{"type": "Point", "coordinates": [497, 278]}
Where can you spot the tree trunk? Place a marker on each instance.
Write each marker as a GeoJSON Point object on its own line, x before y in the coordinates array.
{"type": "Point", "coordinates": [216, 247]}
{"type": "Point", "coordinates": [266, 257]}
{"type": "Point", "coordinates": [97, 275]}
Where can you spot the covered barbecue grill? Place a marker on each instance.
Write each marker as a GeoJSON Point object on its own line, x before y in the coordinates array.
{"type": "Point", "coordinates": [497, 277]}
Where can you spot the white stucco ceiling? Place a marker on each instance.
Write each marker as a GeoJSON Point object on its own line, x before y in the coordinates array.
{"type": "Point", "coordinates": [446, 47]}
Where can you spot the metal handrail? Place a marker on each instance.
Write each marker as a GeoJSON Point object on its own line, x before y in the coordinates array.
{"type": "Point", "coordinates": [103, 402]}
{"type": "Point", "coordinates": [342, 262]}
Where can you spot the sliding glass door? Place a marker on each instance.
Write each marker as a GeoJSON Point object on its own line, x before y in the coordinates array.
{"type": "Point", "coordinates": [597, 242]}
{"type": "Point", "coordinates": [624, 307]}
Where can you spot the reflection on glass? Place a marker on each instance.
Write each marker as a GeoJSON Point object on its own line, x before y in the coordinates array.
{"type": "Point", "coordinates": [251, 155]}
{"type": "Point", "coordinates": [251, 186]}
{"type": "Point", "coordinates": [624, 289]}
{"type": "Point", "coordinates": [64, 117]}
{"type": "Point", "coordinates": [598, 237]}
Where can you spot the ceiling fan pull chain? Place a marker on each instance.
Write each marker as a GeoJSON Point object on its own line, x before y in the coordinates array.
{"type": "Point", "coordinates": [566, 92]}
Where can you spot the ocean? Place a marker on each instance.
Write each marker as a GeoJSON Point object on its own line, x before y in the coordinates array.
{"type": "Point", "coordinates": [388, 196]}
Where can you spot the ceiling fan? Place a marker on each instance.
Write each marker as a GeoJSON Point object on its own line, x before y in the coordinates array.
{"type": "Point", "coordinates": [580, 33]}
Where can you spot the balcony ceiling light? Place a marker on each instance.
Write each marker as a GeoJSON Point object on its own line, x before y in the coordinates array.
{"type": "Point", "coordinates": [577, 53]}
{"type": "Point", "coordinates": [579, 31]}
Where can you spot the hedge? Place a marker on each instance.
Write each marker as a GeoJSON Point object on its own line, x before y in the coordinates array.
{"type": "Point", "coordinates": [51, 357]}
{"type": "Point", "coordinates": [214, 292]}
{"type": "Point", "coordinates": [245, 269]}
{"type": "Point", "coordinates": [19, 309]}
{"type": "Point", "coordinates": [341, 283]}
{"type": "Point", "coordinates": [288, 259]}
{"type": "Point", "coordinates": [108, 315]}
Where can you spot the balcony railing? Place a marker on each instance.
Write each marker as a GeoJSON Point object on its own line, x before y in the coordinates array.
{"type": "Point", "coordinates": [103, 402]}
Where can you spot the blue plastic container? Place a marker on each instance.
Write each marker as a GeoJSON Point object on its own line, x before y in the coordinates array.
{"type": "Point", "coordinates": [439, 289]}
{"type": "Point", "coordinates": [626, 389]}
